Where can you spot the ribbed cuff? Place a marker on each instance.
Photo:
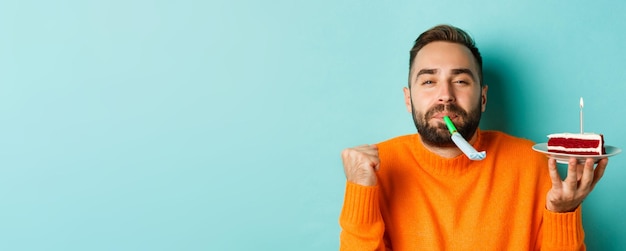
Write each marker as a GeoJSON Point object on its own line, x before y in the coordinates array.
{"type": "Point", "coordinates": [563, 230]}
{"type": "Point", "coordinates": [360, 204]}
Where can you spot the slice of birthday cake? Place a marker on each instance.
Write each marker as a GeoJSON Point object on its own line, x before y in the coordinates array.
{"type": "Point", "coordinates": [576, 143]}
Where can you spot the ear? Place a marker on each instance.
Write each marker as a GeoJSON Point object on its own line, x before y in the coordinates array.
{"type": "Point", "coordinates": [483, 98]}
{"type": "Point", "coordinates": [407, 99]}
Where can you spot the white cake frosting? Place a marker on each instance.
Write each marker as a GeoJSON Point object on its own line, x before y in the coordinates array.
{"type": "Point", "coordinates": [587, 135]}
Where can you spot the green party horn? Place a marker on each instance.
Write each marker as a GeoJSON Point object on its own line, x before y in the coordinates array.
{"type": "Point", "coordinates": [462, 144]}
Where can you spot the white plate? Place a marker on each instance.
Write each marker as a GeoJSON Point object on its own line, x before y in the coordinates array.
{"type": "Point", "coordinates": [564, 158]}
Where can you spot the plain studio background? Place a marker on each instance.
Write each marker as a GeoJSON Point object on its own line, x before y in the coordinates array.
{"type": "Point", "coordinates": [195, 125]}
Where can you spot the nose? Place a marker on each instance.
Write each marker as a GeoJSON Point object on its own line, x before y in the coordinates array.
{"type": "Point", "coordinates": [446, 94]}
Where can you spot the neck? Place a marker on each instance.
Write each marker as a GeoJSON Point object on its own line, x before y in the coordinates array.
{"type": "Point", "coordinates": [450, 151]}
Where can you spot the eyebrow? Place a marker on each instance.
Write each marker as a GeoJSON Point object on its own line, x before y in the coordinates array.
{"type": "Point", "coordinates": [463, 71]}
{"type": "Point", "coordinates": [457, 71]}
{"type": "Point", "coordinates": [426, 71]}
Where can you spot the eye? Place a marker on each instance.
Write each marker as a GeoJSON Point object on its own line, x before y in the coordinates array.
{"type": "Point", "coordinates": [461, 82]}
{"type": "Point", "coordinates": [428, 82]}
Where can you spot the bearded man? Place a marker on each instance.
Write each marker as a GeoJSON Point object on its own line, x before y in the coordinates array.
{"type": "Point", "coordinates": [419, 192]}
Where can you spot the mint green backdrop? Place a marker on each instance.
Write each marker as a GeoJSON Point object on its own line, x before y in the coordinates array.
{"type": "Point", "coordinates": [217, 125]}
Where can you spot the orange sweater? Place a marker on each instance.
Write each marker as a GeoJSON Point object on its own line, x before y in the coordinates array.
{"type": "Point", "coordinates": [425, 202]}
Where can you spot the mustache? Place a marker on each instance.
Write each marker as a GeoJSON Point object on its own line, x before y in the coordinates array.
{"type": "Point", "coordinates": [448, 107]}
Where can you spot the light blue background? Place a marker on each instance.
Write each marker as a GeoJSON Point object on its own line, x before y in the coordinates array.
{"type": "Point", "coordinates": [195, 125]}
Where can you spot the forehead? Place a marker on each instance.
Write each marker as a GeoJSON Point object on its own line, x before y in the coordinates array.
{"type": "Point", "coordinates": [444, 55]}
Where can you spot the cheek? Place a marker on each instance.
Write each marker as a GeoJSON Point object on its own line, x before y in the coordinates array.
{"type": "Point", "coordinates": [419, 105]}
{"type": "Point", "coordinates": [471, 102]}
{"type": "Point", "coordinates": [422, 100]}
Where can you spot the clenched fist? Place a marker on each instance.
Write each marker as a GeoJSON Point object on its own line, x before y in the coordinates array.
{"type": "Point", "coordinates": [360, 164]}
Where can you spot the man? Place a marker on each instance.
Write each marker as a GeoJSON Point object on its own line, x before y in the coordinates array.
{"type": "Point", "coordinates": [419, 192]}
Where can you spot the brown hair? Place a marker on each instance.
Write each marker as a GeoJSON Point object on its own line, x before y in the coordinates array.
{"type": "Point", "coordinates": [447, 33]}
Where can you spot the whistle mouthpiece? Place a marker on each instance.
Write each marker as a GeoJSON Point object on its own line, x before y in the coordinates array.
{"type": "Point", "coordinates": [449, 124]}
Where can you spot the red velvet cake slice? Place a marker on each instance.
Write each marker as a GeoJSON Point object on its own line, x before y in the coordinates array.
{"type": "Point", "coordinates": [576, 143]}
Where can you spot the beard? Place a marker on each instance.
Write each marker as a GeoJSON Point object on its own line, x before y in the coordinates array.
{"type": "Point", "coordinates": [439, 135]}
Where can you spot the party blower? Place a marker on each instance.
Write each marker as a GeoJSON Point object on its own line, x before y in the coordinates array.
{"type": "Point", "coordinates": [460, 142]}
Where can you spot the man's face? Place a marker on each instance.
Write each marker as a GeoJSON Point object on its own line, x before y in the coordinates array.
{"type": "Point", "coordinates": [444, 82]}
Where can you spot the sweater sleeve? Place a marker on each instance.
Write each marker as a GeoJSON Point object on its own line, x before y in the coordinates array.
{"type": "Point", "coordinates": [563, 231]}
{"type": "Point", "coordinates": [362, 226]}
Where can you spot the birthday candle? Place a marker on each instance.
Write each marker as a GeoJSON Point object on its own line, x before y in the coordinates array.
{"type": "Point", "coordinates": [581, 115]}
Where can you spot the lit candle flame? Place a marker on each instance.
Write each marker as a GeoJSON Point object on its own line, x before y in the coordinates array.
{"type": "Point", "coordinates": [581, 103]}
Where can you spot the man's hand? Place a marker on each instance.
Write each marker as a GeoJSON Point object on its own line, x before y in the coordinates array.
{"type": "Point", "coordinates": [360, 164]}
{"type": "Point", "coordinates": [566, 195]}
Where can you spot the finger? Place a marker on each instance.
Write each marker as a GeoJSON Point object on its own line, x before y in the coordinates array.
{"type": "Point", "coordinates": [571, 180]}
{"type": "Point", "coordinates": [367, 146]}
{"type": "Point", "coordinates": [368, 149]}
{"type": "Point", "coordinates": [557, 183]}
{"type": "Point", "coordinates": [362, 147]}
{"type": "Point", "coordinates": [599, 171]}
{"type": "Point", "coordinates": [370, 153]}
{"type": "Point", "coordinates": [580, 170]}
{"type": "Point", "coordinates": [353, 156]}
{"type": "Point", "coordinates": [587, 175]}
